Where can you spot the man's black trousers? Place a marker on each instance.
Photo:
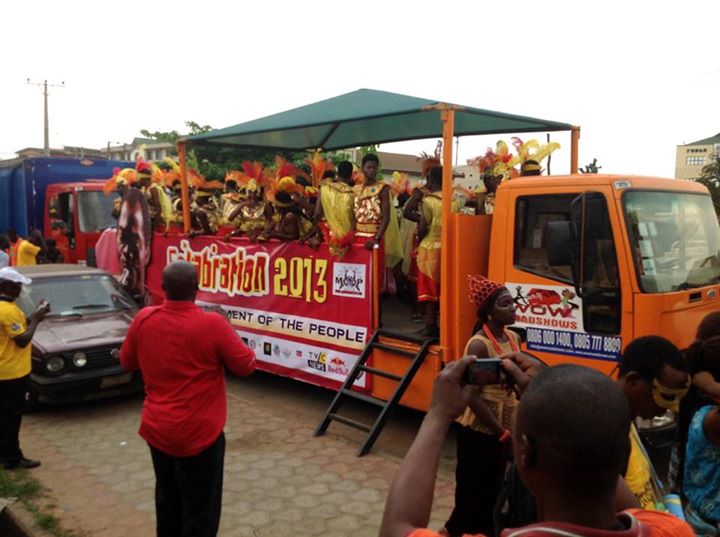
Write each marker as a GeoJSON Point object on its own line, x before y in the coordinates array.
{"type": "Point", "coordinates": [188, 491]}
{"type": "Point", "coordinates": [12, 402]}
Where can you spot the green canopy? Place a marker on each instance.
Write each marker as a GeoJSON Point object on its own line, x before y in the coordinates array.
{"type": "Point", "coordinates": [366, 117]}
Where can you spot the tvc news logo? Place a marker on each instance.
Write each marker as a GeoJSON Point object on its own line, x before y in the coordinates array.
{"type": "Point", "coordinates": [349, 280]}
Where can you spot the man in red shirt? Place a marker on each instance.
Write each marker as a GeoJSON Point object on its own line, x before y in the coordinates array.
{"type": "Point", "coordinates": [570, 443]}
{"type": "Point", "coordinates": [182, 352]}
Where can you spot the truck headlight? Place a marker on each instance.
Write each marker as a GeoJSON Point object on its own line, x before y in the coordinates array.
{"type": "Point", "coordinates": [79, 359]}
{"type": "Point", "coordinates": [54, 364]}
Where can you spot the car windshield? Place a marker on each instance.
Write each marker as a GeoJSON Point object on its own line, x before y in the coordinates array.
{"type": "Point", "coordinates": [675, 239]}
{"type": "Point", "coordinates": [76, 295]}
{"type": "Point", "coordinates": [95, 210]}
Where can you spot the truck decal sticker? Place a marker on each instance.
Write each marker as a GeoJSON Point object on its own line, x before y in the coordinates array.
{"type": "Point", "coordinates": [553, 321]}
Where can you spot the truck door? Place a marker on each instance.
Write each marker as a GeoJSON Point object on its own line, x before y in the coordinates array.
{"type": "Point", "coordinates": [564, 276]}
{"type": "Point", "coordinates": [66, 216]}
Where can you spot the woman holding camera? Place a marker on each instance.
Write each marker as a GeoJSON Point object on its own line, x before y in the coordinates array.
{"type": "Point", "coordinates": [481, 449]}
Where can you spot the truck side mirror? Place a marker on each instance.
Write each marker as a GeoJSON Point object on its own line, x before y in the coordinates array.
{"type": "Point", "coordinates": [558, 243]}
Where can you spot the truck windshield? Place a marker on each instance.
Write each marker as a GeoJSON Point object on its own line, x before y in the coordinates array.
{"type": "Point", "coordinates": [95, 210]}
{"type": "Point", "coordinates": [675, 239]}
{"type": "Point", "coordinates": [75, 295]}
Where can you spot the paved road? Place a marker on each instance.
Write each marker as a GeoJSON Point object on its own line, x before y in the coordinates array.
{"type": "Point", "coordinates": [279, 480]}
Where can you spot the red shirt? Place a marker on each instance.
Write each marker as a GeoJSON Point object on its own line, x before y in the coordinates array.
{"type": "Point", "coordinates": [181, 351]}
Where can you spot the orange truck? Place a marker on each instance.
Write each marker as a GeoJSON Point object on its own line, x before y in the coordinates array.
{"type": "Point", "coordinates": [592, 261]}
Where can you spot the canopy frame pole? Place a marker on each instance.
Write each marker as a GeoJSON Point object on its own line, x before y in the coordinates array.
{"type": "Point", "coordinates": [447, 115]}
{"type": "Point", "coordinates": [184, 190]}
{"type": "Point", "coordinates": [574, 145]}
{"type": "Point", "coordinates": [376, 298]}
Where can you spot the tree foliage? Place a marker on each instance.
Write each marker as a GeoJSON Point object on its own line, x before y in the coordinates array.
{"type": "Point", "coordinates": [591, 168]}
{"type": "Point", "coordinates": [214, 162]}
{"type": "Point", "coordinates": [710, 177]}
{"type": "Point", "coordinates": [169, 137]}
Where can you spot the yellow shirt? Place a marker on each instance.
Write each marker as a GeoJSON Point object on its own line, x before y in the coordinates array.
{"type": "Point", "coordinates": [14, 360]}
{"type": "Point", "coordinates": [638, 473]}
{"type": "Point", "coordinates": [27, 254]}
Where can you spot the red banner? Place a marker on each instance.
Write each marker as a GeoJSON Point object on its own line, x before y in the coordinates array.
{"type": "Point", "coordinates": [306, 314]}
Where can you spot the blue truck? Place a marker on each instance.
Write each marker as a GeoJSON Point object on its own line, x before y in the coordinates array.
{"type": "Point", "coordinates": [72, 188]}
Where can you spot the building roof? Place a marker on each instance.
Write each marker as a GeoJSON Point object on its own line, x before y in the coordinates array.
{"type": "Point", "coordinates": [66, 151]}
{"type": "Point", "coordinates": [707, 141]}
{"type": "Point", "coordinates": [399, 162]}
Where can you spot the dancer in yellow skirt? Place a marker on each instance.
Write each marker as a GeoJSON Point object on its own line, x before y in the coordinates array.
{"type": "Point", "coordinates": [425, 208]}
{"type": "Point", "coordinates": [335, 212]}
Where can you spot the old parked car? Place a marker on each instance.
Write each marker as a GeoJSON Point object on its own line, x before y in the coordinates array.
{"type": "Point", "coordinates": [75, 351]}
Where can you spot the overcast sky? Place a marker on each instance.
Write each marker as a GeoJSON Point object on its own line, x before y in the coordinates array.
{"type": "Point", "coordinates": [637, 77]}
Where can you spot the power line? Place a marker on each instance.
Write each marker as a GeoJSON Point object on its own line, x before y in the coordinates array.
{"type": "Point", "coordinates": [44, 85]}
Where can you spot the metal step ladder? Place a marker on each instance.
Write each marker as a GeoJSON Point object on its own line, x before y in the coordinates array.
{"type": "Point", "coordinates": [416, 359]}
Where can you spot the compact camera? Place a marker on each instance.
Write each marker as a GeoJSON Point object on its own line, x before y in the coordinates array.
{"type": "Point", "coordinates": [482, 371]}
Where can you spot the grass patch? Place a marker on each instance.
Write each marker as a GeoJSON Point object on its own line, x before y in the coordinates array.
{"type": "Point", "coordinates": [29, 492]}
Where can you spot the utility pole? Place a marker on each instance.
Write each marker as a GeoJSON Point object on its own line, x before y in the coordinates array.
{"type": "Point", "coordinates": [44, 84]}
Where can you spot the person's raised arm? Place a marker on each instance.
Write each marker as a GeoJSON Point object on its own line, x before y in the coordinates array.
{"type": "Point", "coordinates": [23, 339]}
{"type": "Point", "coordinates": [411, 211]}
{"type": "Point", "coordinates": [410, 498]}
{"type": "Point", "coordinates": [235, 355]}
{"type": "Point", "coordinates": [235, 212]}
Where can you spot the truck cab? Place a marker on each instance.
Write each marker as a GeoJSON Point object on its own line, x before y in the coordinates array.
{"type": "Point", "coordinates": [594, 261]}
{"type": "Point", "coordinates": [75, 216]}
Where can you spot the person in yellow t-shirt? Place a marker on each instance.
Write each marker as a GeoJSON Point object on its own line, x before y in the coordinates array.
{"type": "Point", "coordinates": [29, 249]}
{"type": "Point", "coordinates": [653, 374]}
{"type": "Point", "coordinates": [16, 333]}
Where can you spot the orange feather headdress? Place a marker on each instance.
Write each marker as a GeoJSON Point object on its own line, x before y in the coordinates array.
{"type": "Point", "coordinates": [430, 161]}
{"type": "Point", "coordinates": [318, 167]}
{"type": "Point", "coordinates": [124, 176]}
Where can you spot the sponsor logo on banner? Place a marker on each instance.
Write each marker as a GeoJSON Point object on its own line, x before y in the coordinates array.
{"type": "Point", "coordinates": [286, 353]}
{"type": "Point", "coordinates": [252, 344]}
{"type": "Point", "coordinates": [309, 358]}
{"type": "Point", "coordinates": [276, 350]}
{"type": "Point", "coordinates": [349, 280]}
{"type": "Point", "coordinates": [337, 366]}
{"type": "Point", "coordinates": [318, 361]}
{"type": "Point", "coordinates": [267, 349]}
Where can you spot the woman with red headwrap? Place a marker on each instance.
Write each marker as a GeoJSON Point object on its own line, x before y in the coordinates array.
{"type": "Point", "coordinates": [481, 450]}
